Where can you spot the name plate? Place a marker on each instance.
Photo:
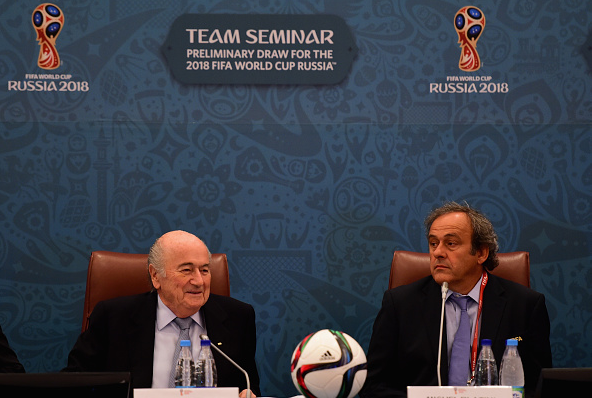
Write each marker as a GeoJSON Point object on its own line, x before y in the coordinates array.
{"type": "Point", "coordinates": [459, 392]}
{"type": "Point", "coordinates": [218, 392]}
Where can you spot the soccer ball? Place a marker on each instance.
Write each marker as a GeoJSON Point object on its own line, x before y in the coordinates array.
{"type": "Point", "coordinates": [328, 364]}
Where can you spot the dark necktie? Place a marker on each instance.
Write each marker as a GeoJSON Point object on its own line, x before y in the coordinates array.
{"type": "Point", "coordinates": [184, 324]}
{"type": "Point", "coordinates": [460, 355]}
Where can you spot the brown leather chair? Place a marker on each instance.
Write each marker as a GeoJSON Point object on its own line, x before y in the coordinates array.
{"type": "Point", "coordinates": [408, 267]}
{"type": "Point", "coordinates": [112, 274]}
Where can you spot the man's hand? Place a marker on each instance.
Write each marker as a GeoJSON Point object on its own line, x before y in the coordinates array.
{"type": "Point", "coordinates": [243, 394]}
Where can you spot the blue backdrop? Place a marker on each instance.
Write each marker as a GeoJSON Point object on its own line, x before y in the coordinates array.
{"type": "Point", "coordinates": [308, 189]}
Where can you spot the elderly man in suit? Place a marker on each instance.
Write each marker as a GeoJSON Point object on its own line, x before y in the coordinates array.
{"type": "Point", "coordinates": [139, 333]}
{"type": "Point", "coordinates": [403, 349]}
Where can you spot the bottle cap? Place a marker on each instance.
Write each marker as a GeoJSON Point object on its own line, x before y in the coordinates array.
{"type": "Point", "coordinates": [512, 342]}
{"type": "Point", "coordinates": [185, 343]}
{"type": "Point", "coordinates": [486, 342]}
{"type": "Point", "coordinates": [205, 343]}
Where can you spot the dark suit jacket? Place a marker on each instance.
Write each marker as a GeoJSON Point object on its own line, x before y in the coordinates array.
{"type": "Point", "coordinates": [120, 337]}
{"type": "Point", "coordinates": [404, 345]}
{"type": "Point", "coordinates": [9, 362]}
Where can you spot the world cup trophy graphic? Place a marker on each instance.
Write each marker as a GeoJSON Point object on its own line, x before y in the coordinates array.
{"type": "Point", "coordinates": [469, 23]}
{"type": "Point", "coordinates": [48, 21]}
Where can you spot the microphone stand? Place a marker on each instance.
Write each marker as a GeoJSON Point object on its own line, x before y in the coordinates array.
{"type": "Point", "coordinates": [444, 291]}
{"type": "Point", "coordinates": [248, 395]}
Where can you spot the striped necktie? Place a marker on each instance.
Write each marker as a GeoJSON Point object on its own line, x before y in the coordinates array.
{"type": "Point", "coordinates": [184, 325]}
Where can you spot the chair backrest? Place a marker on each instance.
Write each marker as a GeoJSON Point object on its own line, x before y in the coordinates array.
{"type": "Point", "coordinates": [112, 274]}
{"type": "Point", "coordinates": [408, 267]}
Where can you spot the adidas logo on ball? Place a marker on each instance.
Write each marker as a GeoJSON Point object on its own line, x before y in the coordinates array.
{"type": "Point", "coordinates": [327, 356]}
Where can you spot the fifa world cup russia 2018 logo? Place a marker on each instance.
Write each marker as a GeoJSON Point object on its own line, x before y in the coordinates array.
{"type": "Point", "coordinates": [48, 21]}
{"type": "Point", "coordinates": [469, 23]}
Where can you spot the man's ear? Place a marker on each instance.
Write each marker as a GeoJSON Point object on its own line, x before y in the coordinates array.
{"type": "Point", "coordinates": [482, 254]}
{"type": "Point", "coordinates": [154, 276]}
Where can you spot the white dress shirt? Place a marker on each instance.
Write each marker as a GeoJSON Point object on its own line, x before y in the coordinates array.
{"type": "Point", "coordinates": [165, 340]}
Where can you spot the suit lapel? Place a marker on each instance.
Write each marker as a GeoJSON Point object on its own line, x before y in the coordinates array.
{"type": "Point", "coordinates": [140, 337]}
{"type": "Point", "coordinates": [215, 316]}
{"type": "Point", "coordinates": [494, 304]}
{"type": "Point", "coordinates": [220, 331]}
{"type": "Point", "coordinates": [431, 306]}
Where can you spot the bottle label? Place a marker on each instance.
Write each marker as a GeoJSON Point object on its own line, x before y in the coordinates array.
{"type": "Point", "coordinates": [517, 391]}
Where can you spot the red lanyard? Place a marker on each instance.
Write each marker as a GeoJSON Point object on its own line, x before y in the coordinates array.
{"type": "Point", "coordinates": [476, 336]}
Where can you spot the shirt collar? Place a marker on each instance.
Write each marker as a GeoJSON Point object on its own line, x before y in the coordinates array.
{"type": "Point", "coordinates": [474, 293]}
{"type": "Point", "coordinates": [164, 316]}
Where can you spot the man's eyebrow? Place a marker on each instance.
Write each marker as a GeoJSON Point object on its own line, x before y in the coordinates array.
{"type": "Point", "coordinates": [448, 235]}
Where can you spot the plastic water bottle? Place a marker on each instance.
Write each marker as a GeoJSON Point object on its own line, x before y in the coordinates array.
{"type": "Point", "coordinates": [511, 371]}
{"type": "Point", "coordinates": [184, 373]}
{"type": "Point", "coordinates": [486, 374]}
{"type": "Point", "coordinates": [205, 369]}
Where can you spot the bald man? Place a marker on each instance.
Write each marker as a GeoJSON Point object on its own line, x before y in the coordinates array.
{"type": "Point", "coordinates": [139, 334]}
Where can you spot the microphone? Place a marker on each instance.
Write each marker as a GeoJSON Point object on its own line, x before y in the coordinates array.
{"type": "Point", "coordinates": [248, 395]}
{"type": "Point", "coordinates": [444, 291]}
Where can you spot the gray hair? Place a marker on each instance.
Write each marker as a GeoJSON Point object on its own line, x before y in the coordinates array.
{"type": "Point", "coordinates": [155, 257]}
{"type": "Point", "coordinates": [483, 231]}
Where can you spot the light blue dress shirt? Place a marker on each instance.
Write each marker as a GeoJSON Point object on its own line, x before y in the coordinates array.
{"type": "Point", "coordinates": [453, 314]}
{"type": "Point", "coordinates": [165, 340]}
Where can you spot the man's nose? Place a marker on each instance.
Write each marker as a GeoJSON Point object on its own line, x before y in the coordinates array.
{"type": "Point", "coordinates": [197, 278]}
{"type": "Point", "coordinates": [438, 250]}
